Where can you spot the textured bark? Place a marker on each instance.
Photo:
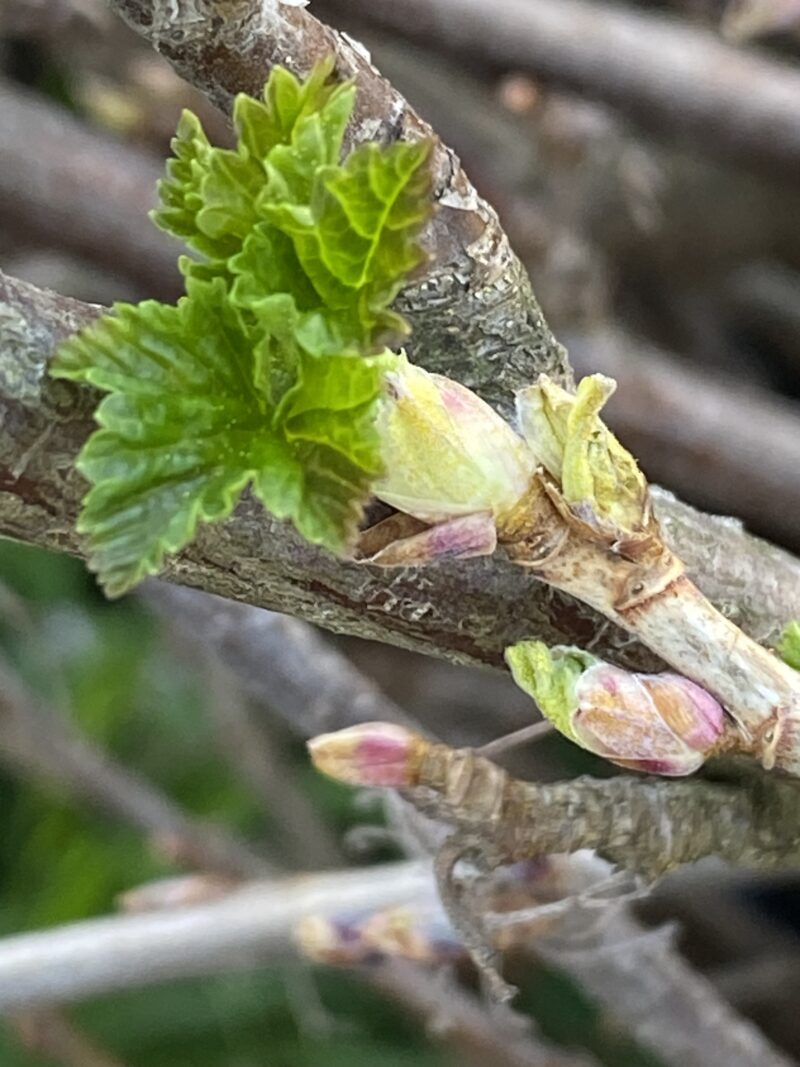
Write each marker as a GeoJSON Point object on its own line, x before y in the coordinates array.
{"type": "Point", "coordinates": [465, 611]}
{"type": "Point", "coordinates": [646, 825]}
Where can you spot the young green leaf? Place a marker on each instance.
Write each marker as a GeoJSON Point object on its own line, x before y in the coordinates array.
{"type": "Point", "coordinates": [550, 677]}
{"type": "Point", "coordinates": [188, 425]}
{"type": "Point", "coordinates": [269, 372]}
{"type": "Point", "coordinates": [355, 240]}
{"type": "Point", "coordinates": [789, 644]}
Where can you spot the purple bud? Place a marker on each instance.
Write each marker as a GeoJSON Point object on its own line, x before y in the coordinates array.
{"type": "Point", "coordinates": [657, 723]}
{"type": "Point", "coordinates": [370, 754]}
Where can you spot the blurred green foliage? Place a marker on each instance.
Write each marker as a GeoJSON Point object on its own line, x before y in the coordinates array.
{"type": "Point", "coordinates": [135, 692]}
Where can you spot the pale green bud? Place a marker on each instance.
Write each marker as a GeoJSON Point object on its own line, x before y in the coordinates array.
{"type": "Point", "coordinates": [599, 480]}
{"type": "Point", "coordinates": [446, 452]}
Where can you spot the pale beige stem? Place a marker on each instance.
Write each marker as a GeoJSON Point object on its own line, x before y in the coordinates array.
{"type": "Point", "coordinates": [659, 604]}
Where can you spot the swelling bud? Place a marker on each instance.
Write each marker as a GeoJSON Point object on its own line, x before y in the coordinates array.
{"type": "Point", "coordinates": [446, 452]}
{"type": "Point", "coordinates": [370, 754]}
{"type": "Point", "coordinates": [655, 723]}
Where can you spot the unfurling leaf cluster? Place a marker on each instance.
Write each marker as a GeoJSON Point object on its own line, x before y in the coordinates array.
{"type": "Point", "coordinates": [269, 371]}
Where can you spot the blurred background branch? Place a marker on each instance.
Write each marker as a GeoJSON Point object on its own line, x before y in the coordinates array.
{"type": "Point", "coordinates": [677, 79]}
{"type": "Point", "coordinates": [38, 742]}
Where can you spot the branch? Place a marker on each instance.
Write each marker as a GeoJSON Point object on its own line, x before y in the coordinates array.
{"type": "Point", "coordinates": [59, 179]}
{"type": "Point", "coordinates": [466, 611]}
{"type": "Point", "coordinates": [673, 77]}
{"type": "Point", "coordinates": [677, 1012]}
{"type": "Point", "coordinates": [642, 980]}
{"type": "Point", "coordinates": [646, 825]}
{"type": "Point", "coordinates": [93, 201]}
{"type": "Point", "coordinates": [37, 741]}
{"type": "Point", "coordinates": [243, 931]}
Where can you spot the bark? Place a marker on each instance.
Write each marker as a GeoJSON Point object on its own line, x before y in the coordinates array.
{"type": "Point", "coordinates": [649, 826]}
{"type": "Point", "coordinates": [465, 611]}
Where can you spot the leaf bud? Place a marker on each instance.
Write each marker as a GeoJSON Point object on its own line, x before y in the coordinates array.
{"type": "Point", "coordinates": [446, 452]}
{"type": "Point", "coordinates": [369, 754]}
{"type": "Point", "coordinates": [656, 723]}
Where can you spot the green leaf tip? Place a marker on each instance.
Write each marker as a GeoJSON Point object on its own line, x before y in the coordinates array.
{"type": "Point", "coordinates": [789, 644]}
{"type": "Point", "coordinates": [549, 676]}
{"type": "Point", "coordinates": [269, 373]}
{"type": "Point", "coordinates": [599, 480]}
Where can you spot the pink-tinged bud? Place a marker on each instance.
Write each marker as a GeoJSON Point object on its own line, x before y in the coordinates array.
{"type": "Point", "coordinates": [657, 723]}
{"type": "Point", "coordinates": [463, 538]}
{"type": "Point", "coordinates": [370, 754]}
{"type": "Point", "coordinates": [446, 452]}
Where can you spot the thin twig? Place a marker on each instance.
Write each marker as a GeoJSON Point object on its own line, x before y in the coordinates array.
{"type": "Point", "coordinates": [646, 825]}
{"type": "Point", "coordinates": [528, 734]}
{"type": "Point", "coordinates": [640, 978]}
{"type": "Point", "coordinates": [38, 742]}
{"type": "Point", "coordinates": [243, 931]}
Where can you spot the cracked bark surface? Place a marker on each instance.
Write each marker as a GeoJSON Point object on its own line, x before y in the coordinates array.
{"type": "Point", "coordinates": [465, 611]}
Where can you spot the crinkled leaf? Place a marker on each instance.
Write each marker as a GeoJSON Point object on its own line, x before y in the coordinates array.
{"type": "Point", "coordinates": [599, 479]}
{"type": "Point", "coordinates": [209, 196]}
{"type": "Point", "coordinates": [550, 676]}
{"type": "Point", "coordinates": [789, 644]}
{"type": "Point", "coordinates": [188, 425]}
{"type": "Point", "coordinates": [181, 192]}
{"type": "Point", "coordinates": [257, 377]}
{"type": "Point", "coordinates": [356, 239]}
